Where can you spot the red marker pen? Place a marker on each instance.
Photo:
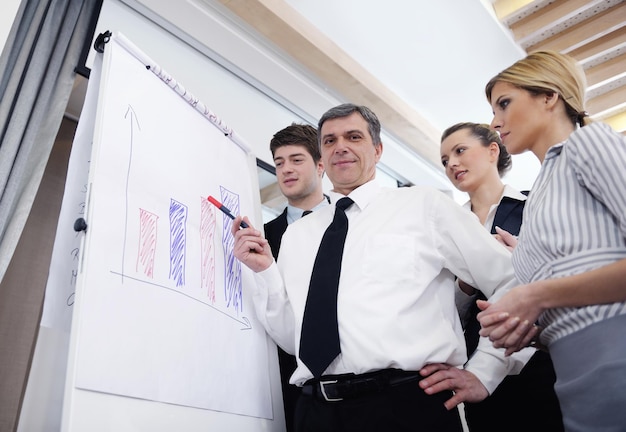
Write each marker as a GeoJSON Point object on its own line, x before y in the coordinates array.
{"type": "Point", "coordinates": [225, 210]}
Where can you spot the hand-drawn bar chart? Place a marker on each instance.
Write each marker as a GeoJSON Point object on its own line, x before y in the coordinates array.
{"type": "Point", "coordinates": [178, 215]}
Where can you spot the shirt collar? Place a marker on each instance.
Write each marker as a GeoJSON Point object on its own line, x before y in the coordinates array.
{"type": "Point", "coordinates": [361, 196]}
{"type": "Point", "coordinates": [554, 151]}
{"type": "Point", "coordinates": [295, 213]}
{"type": "Point", "coordinates": [511, 192]}
{"type": "Point", "coordinates": [508, 192]}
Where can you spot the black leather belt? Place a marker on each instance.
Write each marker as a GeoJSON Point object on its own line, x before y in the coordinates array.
{"type": "Point", "coordinates": [335, 388]}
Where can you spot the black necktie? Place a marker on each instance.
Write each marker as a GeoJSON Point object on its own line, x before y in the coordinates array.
{"type": "Point", "coordinates": [319, 340]}
{"type": "Point", "coordinates": [306, 212]}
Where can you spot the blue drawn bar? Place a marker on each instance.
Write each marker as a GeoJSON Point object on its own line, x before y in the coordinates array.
{"type": "Point", "coordinates": [178, 241]}
{"type": "Point", "coordinates": [233, 285]}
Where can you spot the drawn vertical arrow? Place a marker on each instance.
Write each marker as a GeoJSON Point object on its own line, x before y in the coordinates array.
{"type": "Point", "coordinates": [132, 121]}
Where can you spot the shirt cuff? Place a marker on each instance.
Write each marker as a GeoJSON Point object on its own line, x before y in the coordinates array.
{"type": "Point", "coordinates": [268, 279]}
{"type": "Point", "coordinates": [518, 360]}
{"type": "Point", "coordinates": [489, 368]}
{"type": "Point", "coordinates": [490, 365]}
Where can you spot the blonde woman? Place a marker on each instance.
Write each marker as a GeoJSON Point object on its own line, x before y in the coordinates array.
{"type": "Point", "coordinates": [571, 253]}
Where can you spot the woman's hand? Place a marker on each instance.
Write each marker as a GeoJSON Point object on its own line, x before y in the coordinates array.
{"type": "Point", "coordinates": [509, 322]}
{"type": "Point", "coordinates": [507, 239]}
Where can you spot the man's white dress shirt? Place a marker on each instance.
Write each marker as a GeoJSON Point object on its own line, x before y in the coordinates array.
{"type": "Point", "coordinates": [395, 303]}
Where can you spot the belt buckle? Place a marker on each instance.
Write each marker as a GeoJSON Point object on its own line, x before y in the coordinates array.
{"type": "Point", "coordinates": [322, 388]}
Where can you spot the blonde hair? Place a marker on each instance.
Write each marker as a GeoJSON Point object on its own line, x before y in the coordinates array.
{"type": "Point", "coordinates": [548, 72]}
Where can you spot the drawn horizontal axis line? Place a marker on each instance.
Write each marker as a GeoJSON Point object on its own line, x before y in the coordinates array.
{"type": "Point", "coordinates": [244, 321]}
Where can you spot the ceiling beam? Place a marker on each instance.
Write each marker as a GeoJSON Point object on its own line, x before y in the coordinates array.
{"type": "Point", "coordinates": [586, 32]}
{"type": "Point", "coordinates": [607, 101]}
{"type": "Point", "coordinates": [605, 72]}
{"type": "Point", "coordinates": [548, 17]}
{"type": "Point", "coordinates": [290, 31]}
{"type": "Point", "coordinates": [606, 43]}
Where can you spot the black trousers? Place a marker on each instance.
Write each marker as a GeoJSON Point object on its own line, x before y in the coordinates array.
{"type": "Point", "coordinates": [287, 364]}
{"type": "Point", "coordinates": [528, 399]}
{"type": "Point", "coordinates": [403, 407]}
{"type": "Point", "coordinates": [531, 392]}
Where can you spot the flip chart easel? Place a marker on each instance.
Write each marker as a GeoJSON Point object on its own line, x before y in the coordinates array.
{"type": "Point", "coordinates": [163, 334]}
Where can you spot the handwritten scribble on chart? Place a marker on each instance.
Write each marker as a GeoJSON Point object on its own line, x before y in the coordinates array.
{"type": "Point", "coordinates": [178, 241]}
{"type": "Point", "coordinates": [232, 270]}
{"type": "Point", "coordinates": [208, 224]}
{"type": "Point", "coordinates": [147, 242]}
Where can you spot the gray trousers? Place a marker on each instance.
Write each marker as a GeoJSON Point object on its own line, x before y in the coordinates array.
{"type": "Point", "coordinates": [590, 369]}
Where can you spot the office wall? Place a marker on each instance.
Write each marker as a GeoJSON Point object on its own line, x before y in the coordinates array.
{"type": "Point", "coordinates": [9, 9]}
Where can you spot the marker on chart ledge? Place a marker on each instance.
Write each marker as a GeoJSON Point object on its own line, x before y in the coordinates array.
{"type": "Point", "coordinates": [225, 210]}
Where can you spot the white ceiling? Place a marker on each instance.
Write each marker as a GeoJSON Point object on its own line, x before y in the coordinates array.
{"type": "Point", "coordinates": [435, 56]}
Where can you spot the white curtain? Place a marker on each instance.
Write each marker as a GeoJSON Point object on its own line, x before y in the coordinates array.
{"type": "Point", "coordinates": [37, 72]}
